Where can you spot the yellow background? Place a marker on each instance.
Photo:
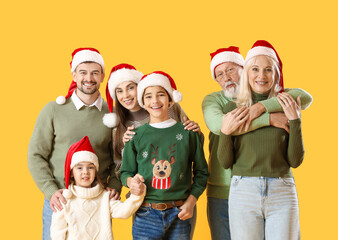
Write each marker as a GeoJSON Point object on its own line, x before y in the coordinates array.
{"type": "Point", "coordinates": [37, 38]}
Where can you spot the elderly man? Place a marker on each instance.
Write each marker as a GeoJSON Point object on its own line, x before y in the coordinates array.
{"type": "Point", "coordinates": [226, 67]}
{"type": "Point", "coordinates": [66, 121]}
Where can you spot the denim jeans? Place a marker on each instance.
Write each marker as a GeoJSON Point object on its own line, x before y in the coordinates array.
{"type": "Point", "coordinates": [151, 224]}
{"type": "Point", "coordinates": [218, 218]}
{"type": "Point", "coordinates": [263, 208]}
{"type": "Point", "coordinates": [47, 213]}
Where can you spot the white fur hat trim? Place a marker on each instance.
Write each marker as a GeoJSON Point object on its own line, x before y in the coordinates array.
{"type": "Point", "coordinates": [85, 156]}
{"type": "Point", "coordinates": [110, 120]}
{"type": "Point", "coordinates": [87, 56]}
{"type": "Point", "coordinates": [60, 100]}
{"type": "Point", "coordinates": [259, 50]}
{"type": "Point", "coordinates": [153, 79]}
{"type": "Point", "coordinates": [223, 57]}
{"type": "Point", "coordinates": [120, 76]}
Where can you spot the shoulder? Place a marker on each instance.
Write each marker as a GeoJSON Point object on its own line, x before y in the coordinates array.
{"type": "Point", "coordinates": [215, 97]}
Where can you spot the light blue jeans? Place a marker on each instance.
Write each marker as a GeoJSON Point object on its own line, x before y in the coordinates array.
{"type": "Point", "coordinates": [47, 213]}
{"type": "Point", "coordinates": [218, 218]}
{"type": "Point", "coordinates": [152, 224]}
{"type": "Point", "coordinates": [263, 208]}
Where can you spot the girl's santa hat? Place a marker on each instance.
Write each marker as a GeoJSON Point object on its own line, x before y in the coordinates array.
{"type": "Point", "coordinates": [158, 78]}
{"type": "Point", "coordinates": [81, 151]}
{"type": "Point", "coordinates": [79, 56]}
{"type": "Point", "coordinates": [222, 55]}
{"type": "Point", "coordinates": [262, 47]}
{"type": "Point", "coordinates": [120, 73]}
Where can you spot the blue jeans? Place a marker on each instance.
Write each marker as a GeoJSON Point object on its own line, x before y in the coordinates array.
{"type": "Point", "coordinates": [151, 224]}
{"type": "Point", "coordinates": [263, 208]}
{"type": "Point", "coordinates": [218, 218]}
{"type": "Point", "coordinates": [47, 213]}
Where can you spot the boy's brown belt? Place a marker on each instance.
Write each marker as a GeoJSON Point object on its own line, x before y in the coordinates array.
{"type": "Point", "coordinates": [163, 206]}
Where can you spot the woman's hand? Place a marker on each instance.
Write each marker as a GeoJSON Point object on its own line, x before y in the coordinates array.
{"type": "Point", "coordinates": [279, 120]}
{"type": "Point", "coordinates": [129, 134]}
{"type": "Point", "coordinates": [191, 125]}
{"type": "Point", "coordinates": [289, 105]}
{"type": "Point", "coordinates": [234, 119]}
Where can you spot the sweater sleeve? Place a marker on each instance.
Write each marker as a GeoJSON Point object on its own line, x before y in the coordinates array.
{"type": "Point", "coordinates": [214, 109]}
{"type": "Point", "coordinates": [225, 151]}
{"type": "Point", "coordinates": [39, 149]}
{"type": "Point", "coordinates": [59, 226]}
{"type": "Point", "coordinates": [272, 104]}
{"type": "Point", "coordinates": [200, 166]}
{"type": "Point", "coordinates": [213, 113]}
{"type": "Point", "coordinates": [129, 161]}
{"type": "Point", "coordinates": [295, 147]}
{"type": "Point", "coordinates": [127, 208]}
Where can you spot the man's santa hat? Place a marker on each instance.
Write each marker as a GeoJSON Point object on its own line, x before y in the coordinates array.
{"type": "Point", "coordinates": [120, 73]}
{"type": "Point", "coordinates": [158, 78]}
{"type": "Point", "coordinates": [81, 151]}
{"type": "Point", "coordinates": [222, 55]}
{"type": "Point", "coordinates": [262, 47]}
{"type": "Point", "coordinates": [79, 56]}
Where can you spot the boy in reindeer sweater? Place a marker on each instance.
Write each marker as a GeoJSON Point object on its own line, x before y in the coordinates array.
{"type": "Point", "coordinates": [166, 155]}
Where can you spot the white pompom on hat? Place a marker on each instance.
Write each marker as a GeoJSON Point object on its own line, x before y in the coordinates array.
{"type": "Point", "coordinates": [120, 73]}
{"type": "Point", "coordinates": [79, 56]}
{"type": "Point", "coordinates": [158, 78]}
{"type": "Point", "coordinates": [262, 47]}
{"type": "Point", "coordinates": [222, 55]}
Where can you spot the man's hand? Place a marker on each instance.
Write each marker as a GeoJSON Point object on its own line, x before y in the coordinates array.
{"type": "Point", "coordinates": [234, 119]}
{"type": "Point", "coordinates": [114, 194]}
{"type": "Point", "coordinates": [254, 112]}
{"type": "Point", "coordinates": [56, 199]}
{"type": "Point", "coordinates": [187, 208]}
{"type": "Point", "coordinates": [136, 185]}
{"type": "Point", "coordinates": [279, 120]}
{"type": "Point", "coordinates": [129, 134]}
{"type": "Point", "coordinates": [191, 125]}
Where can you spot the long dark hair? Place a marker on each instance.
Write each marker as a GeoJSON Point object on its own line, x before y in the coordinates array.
{"type": "Point", "coordinates": [120, 129]}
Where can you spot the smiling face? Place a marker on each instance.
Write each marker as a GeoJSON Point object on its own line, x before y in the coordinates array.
{"type": "Point", "coordinates": [84, 174]}
{"type": "Point", "coordinates": [88, 77]}
{"type": "Point", "coordinates": [227, 75]}
{"type": "Point", "coordinates": [126, 94]}
{"type": "Point", "coordinates": [156, 102]}
{"type": "Point", "coordinates": [261, 75]}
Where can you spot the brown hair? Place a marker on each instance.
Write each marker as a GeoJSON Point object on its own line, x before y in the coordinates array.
{"type": "Point", "coordinates": [120, 129]}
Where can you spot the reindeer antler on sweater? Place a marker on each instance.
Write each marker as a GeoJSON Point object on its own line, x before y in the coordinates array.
{"type": "Point", "coordinates": [155, 153]}
{"type": "Point", "coordinates": [171, 151]}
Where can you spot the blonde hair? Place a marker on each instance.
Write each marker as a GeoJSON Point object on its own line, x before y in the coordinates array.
{"type": "Point", "coordinates": [244, 96]}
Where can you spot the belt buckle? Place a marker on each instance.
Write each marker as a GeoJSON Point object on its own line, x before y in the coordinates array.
{"type": "Point", "coordinates": [159, 206]}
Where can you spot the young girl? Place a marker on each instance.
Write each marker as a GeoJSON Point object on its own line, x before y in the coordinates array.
{"type": "Point", "coordinates": [263, 201]}
{"type": "Point", "coordinates": [88, 211]}
{"type": "Point", "coordinates": [166, 155]}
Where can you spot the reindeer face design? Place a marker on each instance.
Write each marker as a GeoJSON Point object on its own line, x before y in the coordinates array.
{"type": "Point", "coordinates": [162, 170]}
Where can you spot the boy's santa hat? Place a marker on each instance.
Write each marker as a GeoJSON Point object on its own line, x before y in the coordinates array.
{"type": "Point", "coordinates": [79, 56]}
{"type": "Point", "coordinates": [262, 47]}
{"type": "Point", "coordinates": [81, 151]}
{"type": "Point", "coordinates": [222, 55]}
{"type": "Point", "coordinates": [120, 73]}
{"type": "Point", "coordinates": [158, 78]}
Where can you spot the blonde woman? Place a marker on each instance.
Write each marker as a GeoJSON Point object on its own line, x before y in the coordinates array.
{"type": "Point", "coordinates": [263, 201]}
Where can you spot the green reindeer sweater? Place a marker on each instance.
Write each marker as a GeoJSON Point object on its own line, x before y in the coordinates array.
{"type": "Point", "coordinates": [171, 160]}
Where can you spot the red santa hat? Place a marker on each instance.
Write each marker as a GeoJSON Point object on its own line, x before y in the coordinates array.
{"type": "Point", "coordinates": [81, 151]}
{"type": "Point", "coordinates": [158, 78]}
{"type": "Point", "coordinates": [262, 47]}
{"type": "Point", "coordinates": [120, 73]}
{"type": "Point", "coordinates": [222, 55]}
{"type": "Point", "coordinates": [79, 56]}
